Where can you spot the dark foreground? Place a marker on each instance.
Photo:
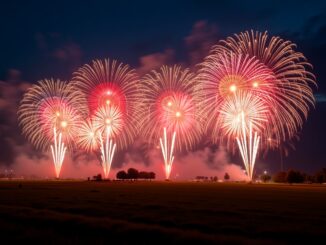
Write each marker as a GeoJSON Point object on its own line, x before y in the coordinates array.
{"type": "Point", "coordinates": [59, 212]}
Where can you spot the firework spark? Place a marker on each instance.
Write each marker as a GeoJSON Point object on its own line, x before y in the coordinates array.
{"type": "Point", "coordinates": [170, 107]}
{"type": "Point", "coordinates": [49, 108]}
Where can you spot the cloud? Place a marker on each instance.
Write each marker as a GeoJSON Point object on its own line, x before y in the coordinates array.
{"type": "Point", "coordinates": [196, 46]}
{"type": "Point", "coordinates": [11, 92]}
{"type": "Point", "coordinates": [59, 52]}
{"type": "Point", "coordinates": [68, 52]}
{"type": "Point", "coordinates": [200, 41]}
{"type": "Point", "coordinates": [155, 60]}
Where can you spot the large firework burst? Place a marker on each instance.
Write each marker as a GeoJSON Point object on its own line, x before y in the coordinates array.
{"type": "Point", "coordinates": [170, 109]}
{"type": "Point", "coordinates": [51, 113]}
{"type": "Point", "coordinates": [112, 93]}
{"type": "Point", "coordinates": [292, 93]}
{"type": "Point", "coordinates": [268, 70]}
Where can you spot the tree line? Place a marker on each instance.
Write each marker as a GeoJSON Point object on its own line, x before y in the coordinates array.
{"type": "Point", "coordinates": [133, 174]}
{"type": "Point", "coordinates": [296, 176]}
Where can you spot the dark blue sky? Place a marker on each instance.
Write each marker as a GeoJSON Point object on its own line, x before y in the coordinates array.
{"type": "Point", "coordinates": [128, 30]}
{"type": "Point", "coordinates": [42, 39]}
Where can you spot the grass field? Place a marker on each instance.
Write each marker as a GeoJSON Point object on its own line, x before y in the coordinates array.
{"type": "Point", "coordinates": [71, 212]}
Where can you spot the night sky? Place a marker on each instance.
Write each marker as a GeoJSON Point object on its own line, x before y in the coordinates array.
{"type": "Point", "coordinates": [41, 39]}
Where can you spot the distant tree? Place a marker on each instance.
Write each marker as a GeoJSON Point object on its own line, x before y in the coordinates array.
{"type": "Point", "coordinates": [294, 176]}
{"type": "Point", "coordinates": [320, 176]}
{"type": "Point", "coordinates": [201, 178]}
{"type": "Point", "coordinates": [143, 175]}
{"type": "Point", "coordinates": [151, 175]}
{"type": "Point", "coordinates": [132, 173]}
{"type": "Point", "coordinates": [226, 176]}
{"type": "Point", "coordinates": [308, 178]}
{"type": "Point", "coordinates": [98, 177]}
{"type": "Point", "coordinates": [280, 177]}
{"type": "Point", "coordinates": [265, 178]}
{"type": "Point", "coordinates": [215, 179]}
{"type": "Point", "coordinates": [121, 175]}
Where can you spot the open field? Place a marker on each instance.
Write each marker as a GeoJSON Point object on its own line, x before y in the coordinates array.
{"type": "Point", "coordinates": [161, 212]}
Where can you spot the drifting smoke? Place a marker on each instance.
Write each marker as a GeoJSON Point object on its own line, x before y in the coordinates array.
{"type": "Point", "coordinates": [205, 162]}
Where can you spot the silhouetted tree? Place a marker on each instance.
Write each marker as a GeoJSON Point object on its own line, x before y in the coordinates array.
{"type": "Point", "coordinates": [265, 177]}
{"type": "Point", "coordinates": [294, 176]}
{"type": "Point", "coordinates": [132, 173]}
{"type": "Point", "coordinates": [215, 179]}
{"type": "Point", "coordinates": [226, 176]}
{"type": "Point", "coordinates": [143, 175]}
{"type": "Point", "coordinates": [121, 175]}
{"type": "Point", "coordinates": [152, 175]}
{"type": "Point", "coordinates": [320, 176]}
{"type": "Point", "coordinates": [98, 177]}
{"type": "Point", "coordinates": [280, 177]}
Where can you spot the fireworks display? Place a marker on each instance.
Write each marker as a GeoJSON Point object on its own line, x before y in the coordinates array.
{"type": "Point", "coordinates": [50, 114]}
{"type": "Point", "coordinates": [252, 93]}
{"type": "Point", "coordinates": [252, 74]}
{"type": "Point", "coordinates": [111, 90]}
{"type": "Point", "coordinates": [170, 115]}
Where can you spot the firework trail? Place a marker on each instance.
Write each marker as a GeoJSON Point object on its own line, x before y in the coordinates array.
{"type": "Point", "coordinates": [112, 94]}
{"type": "Point", "coordinates": [50, 115]}
{"type": "Point", "coordinates": [170, 109]}
{"type": "Point", "coordinates": [244, 117]}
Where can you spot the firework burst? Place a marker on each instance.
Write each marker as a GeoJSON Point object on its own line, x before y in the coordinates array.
{"type": "Point", "coordinates": [292, 93]}
{"type": "Point", "coordinates": [112, 93]}
{"type": "Point", "coordinates": [269, 73]}
{"type": "Point", "coordinates": [170, 109]}
{"type": "Point", "coordinates": [51, 113]}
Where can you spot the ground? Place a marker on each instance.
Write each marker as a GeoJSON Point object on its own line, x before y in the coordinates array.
{"type": "Point", "coordinates": [61, 212]}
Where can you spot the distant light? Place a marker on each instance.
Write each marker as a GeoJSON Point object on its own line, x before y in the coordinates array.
{"type": "Point", "coordinates": [57, 113]}
{"type": "Point", "coordinates": [109, 92]}
{"type": "Point", "coordinates": [91, 134]}
{"type": "Point", "coordinates": [169, 103]}
{"type": "Point", "coordinates": [178, 114]}
{"type": "Point", "coordinates": [108, 102]}
{"type": "Point", "coordinates": [255, 84]}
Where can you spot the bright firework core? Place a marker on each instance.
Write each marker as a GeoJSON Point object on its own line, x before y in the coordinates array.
{"type": "Point", "coordinates": [64, 124]}
{"type": "Point", "coordinates": [233, 88]}
{"type": "Point", "coordinates": [108, 121]}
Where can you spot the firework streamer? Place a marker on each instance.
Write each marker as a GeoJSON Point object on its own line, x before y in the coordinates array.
{"type": "Point", "coordinates": [107, 152]}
